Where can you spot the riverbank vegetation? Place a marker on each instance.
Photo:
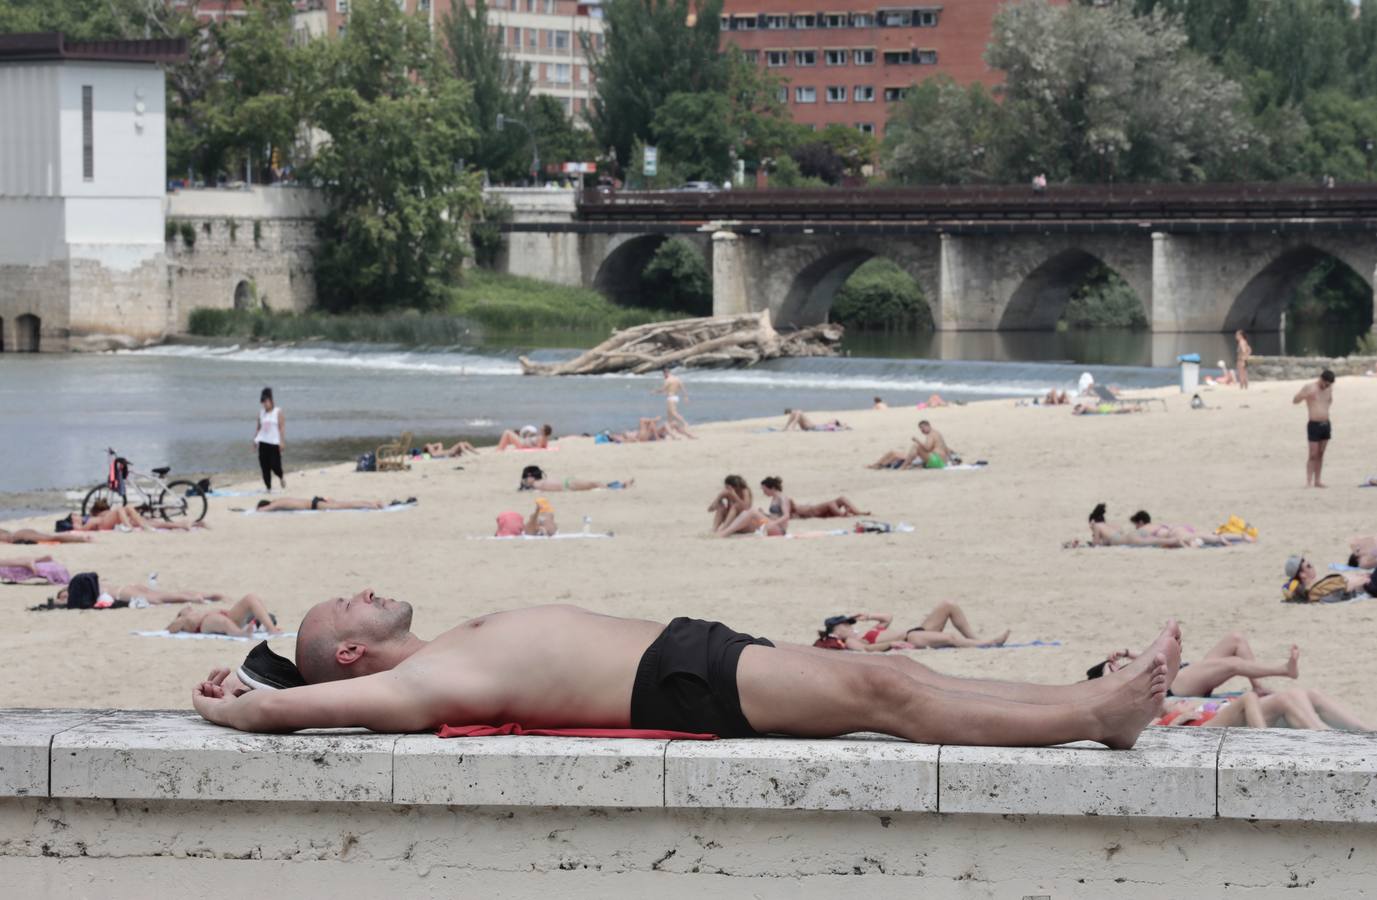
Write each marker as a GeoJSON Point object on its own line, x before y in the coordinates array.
{"type": "Point", "coordinates": [880, 296]}
{"type": "Point", "coordinates": [485, 306]}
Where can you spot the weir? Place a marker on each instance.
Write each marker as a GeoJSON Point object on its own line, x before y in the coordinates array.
{"type": "Point", "coordinates": [149, 799]}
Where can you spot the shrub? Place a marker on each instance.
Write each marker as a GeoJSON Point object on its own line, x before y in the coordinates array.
{"type": "Point", "coordinates": [486, 231]}
{"type": "Point", "coordinates": [881, 296]}
{"type": "Point", "coordinates": [188, 232]}
{"type": "Point", "coordinates": [1104, 300]}
{"type": "Point", "coordinates": [677, 279]}
{"type": "Point", "coordinates": [169, 230]}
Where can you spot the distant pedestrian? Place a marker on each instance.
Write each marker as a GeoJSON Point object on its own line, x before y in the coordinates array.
{"type": "Point", "coordinates": [269, 438]}
{"type": "Point", "coordinates": [1318, 396]}
{"type": "Point", "coordinates": [1245, 353]}
{"type": "Point", "coordinates": [1039, 183]}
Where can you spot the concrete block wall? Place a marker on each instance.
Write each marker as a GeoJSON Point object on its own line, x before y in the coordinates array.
{"type": "Point", "coordinates": [118, 803]}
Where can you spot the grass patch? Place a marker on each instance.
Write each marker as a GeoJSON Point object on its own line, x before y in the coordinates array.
{"type": "Point", "coordinates": [486, 305]}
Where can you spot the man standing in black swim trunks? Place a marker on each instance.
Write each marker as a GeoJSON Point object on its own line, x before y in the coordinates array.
{"type": "Point", "coordinates": [566, 667]}
{"type": "Point", "coordinates": [1318, 396]}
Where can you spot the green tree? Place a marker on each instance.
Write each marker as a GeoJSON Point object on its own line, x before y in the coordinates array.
{"type": "Point", "coordinates": [499, 85]}
{"type": "Point", "coordinates": [560, 139]}
{"type": "Point", "coordinates": [880, 295]}
{"type": "Point", "coordinates": [1095, 93]}
{"type": "Point", "coordinates": [943, 133]}
{"type": "Point", "coordinates": [676, 278]}
{"type": "Point", "coordinates": [398, 123]}
{"type": "Point", "coordinates": [652, 49]}
{"type": "Point", "coordinates": [759, 121]}
{"type": "Point", "coordinates": [694, 134]}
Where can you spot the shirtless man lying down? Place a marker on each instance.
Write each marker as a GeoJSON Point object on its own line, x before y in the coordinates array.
{"type": "Point", "coordinates": [364, 667]}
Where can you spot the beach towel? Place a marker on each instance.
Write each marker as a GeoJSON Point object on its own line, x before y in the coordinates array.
{"type": "Point", "coordinates": [1344, 567]}
{"type": "Point", "coordinates": [959, 467]}
{"type": "Point", "coordinates": [901, 528]}
{"type": "Point", "coordinates": [51, 572]}
{"type": "Point", "coordinates": [573, 535]}
{"type": "Point", "coordinates": [1079, 544]}
{"type": "Point", "coordinates": [395, 507]}
{"type": "Point", "coordinates": [1003, 646]}
{"type": "Point", "coordinates": [514, 730]}
{"type": "Point", "coordinates": [225, 492]}
{"type": "Point", "coordinates": [197, 636]}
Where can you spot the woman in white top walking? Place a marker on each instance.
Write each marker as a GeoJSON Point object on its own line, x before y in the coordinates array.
{"type": "Point", "coordinates": [268, 438]}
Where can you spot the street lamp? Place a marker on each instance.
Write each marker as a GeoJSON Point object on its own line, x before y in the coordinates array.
{"type": "Point", "coordinates": [1367, 148]}
{"type": "Point", "coordinates": [977, 157]}
{"type": "Point", "coordinates": [502, 121]}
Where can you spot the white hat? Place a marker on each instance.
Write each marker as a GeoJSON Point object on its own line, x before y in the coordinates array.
{"type": "Point", "coordinates": [529, 429]}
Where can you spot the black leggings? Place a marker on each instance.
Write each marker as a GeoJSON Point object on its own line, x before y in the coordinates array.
{"type": "Point", "coordinates": [270, 461]}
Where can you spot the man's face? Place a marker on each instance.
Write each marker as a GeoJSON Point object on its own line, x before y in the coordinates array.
{"type": "Point", "coordinates": [1325, 385]}
{"type": "Point", "coordinates": [925, 428]}
{"type": "Point", "coordinates": [366, 616]}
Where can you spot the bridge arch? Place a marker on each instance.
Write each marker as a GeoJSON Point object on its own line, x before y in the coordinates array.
{"type": "Point", "coordinates": [1040, 299]}
{"type": "Point", "coordinates": [1259, 304]}
{"type": "Point", "coordinates": [820, 269]}
{"type": "Point", "coordinates": [619, 275]}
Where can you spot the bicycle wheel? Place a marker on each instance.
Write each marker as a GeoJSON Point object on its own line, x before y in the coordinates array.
{"type": "Point", "coordinates": [101, 492]}
{"type": "Point", "coordinates": [182, 498]}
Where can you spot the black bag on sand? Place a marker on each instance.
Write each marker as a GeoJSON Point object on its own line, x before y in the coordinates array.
{"type": "Point", "coordinates": [83, 590]}
{"type": "Point", "coordinates": [367, 463]}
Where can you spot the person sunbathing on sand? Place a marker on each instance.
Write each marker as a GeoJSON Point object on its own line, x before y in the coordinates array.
{"type": "Point", "coordinates": [1295, 707]}
{"type": "Point", "coordinates": [438, 449]}
{"type": "Point", "coordinates": [242, 619]}
{"type": "Point", "coordinates": [526, 439]}
{"type": "Point", "coordinates": [533, 479]}
{"type": "Point", "coordinates": [1226, 377]}
{"type": "Point", "coordinates": [141, 595]}
{"type": "Point", "coordinates": [29, 536]}
{"type": "Point", "coordinates": [827, 509]}
{"type": "Point", "coordinates": [730, 502]}
{"type": "Point", "coordinates": [103, 517]}
{"type": "Point", "coordinates": [929, 450]}
{"type": "Point", "coordinates": [296, 504]}
{"type": "Point", "coordinates": [1053, 397]}
{"type": "Point", "coordinates": [1364, 551]}
{"type": "Point", "coordinates": [1232, 657]}
{"type": "Point", "coordinates": [19, 570]}
{"type": "Point", "coordinates": [798, 419]}
{"type": "Point", "coordinates": [1142, 522]}
{"type": "Point", "coordinates": [879, 403]}
{"type": "Point", "coordinates": [841, 633]}
{"type": "Point", "coordinates": [1304, 584]}
{"type": "Point", "coordinates": [364, 667]}
{"type": "Point", "coordinates": [775, 523]}
{"type": "Point", "coordinates": [1102, 534]}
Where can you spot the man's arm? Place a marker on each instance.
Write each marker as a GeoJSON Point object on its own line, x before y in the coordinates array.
{"type": "Point", "coordinates": [378, 702]}
{"type": "Point", "coordinates": [1303, 394]}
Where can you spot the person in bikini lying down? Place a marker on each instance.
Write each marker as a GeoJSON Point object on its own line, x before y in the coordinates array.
{"type": "Point", "coordinates": [798, 419]}
{"type": "Point", "coordinates": [1232, 657]}
{"type": "Point", "coordinates": [242, 619]}
{"type": "Point", "coordinates": [533, 479]}
{"type": "Point", "coordinates": [1102, 534]}
{"type": "Point", "coordinates": [438, 449]}
{"type": "Point", "coordinates": [103, 517]}
{"type": "Point", "coordinates": [1363, 551]}
{"type": "Point", "coordinates": [730, 502]}
{"type": "Point", "coordinates": [29, 536]}
{"type": "Point", "coordinates": [1293, 707]}
{"type": "Point", "coordinates": [363, 666]}
{"type": "Point", "coordinates": [528, 438]}
{"type": "Point", "coordinates": [841, 632]}
{"type": "Point", "coordinates": [774, 523]}
{"type": "Point", "coordinates": [296, 504]}
{"type": "Point", "coordinates": [17, 571]}
{"type": "Point", "coordinates": [141, 595]}
{"type": "Point", "coordinates": [827, 509]}
{"type": "Point", "coordinates": [1142, 523]}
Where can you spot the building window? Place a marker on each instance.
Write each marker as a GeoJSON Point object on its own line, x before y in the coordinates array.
{"type": "Point", "coordinates": [834, 57]}
{"type": "Point", "coordinates": [836, 95]}
{"type": "Point", "coordinates": [894, 18]}
{"type": "Point", "coordinates": [834, 20]}
{"type": "Point", "coordinates": [776, 58]}
{"type": "Point", "coordinates": [744, 23]}
{"type": "Point", "coordinates": [561, 40]}
{"type": "Point", "coordinates": [805, 57]}
{"type": "Point", "coordinates": [865, 127]}
{"type": "Point", "coordinates": [751, 56]}
{"type": "Point", "coordinates": [514, 37]}
{"type": "Point", "coordinates": [895, 94]}
{"type": "Point", "coordinates": [925, 57]}
{"type": "Point", "coordinates": [782, 94]}
{"type": "Point", "coordinates": [530, 6]}
{"type": "Point", "coordinates": [863, 93]}
{"type": "Point", "coordinates": [805, 95]}
{"type": "Point", "coordinates": [88, 135]}
{"type": "Point", "coordinates": [567, 103]}
{"type": "Point", "coordinates": [562, 75]}
{"type": "Point", "coordinates": [726, 23]}
{"type": "Point", "coordinates": [863, 57]}
{"type": "Point", "coordinates": [533, 38]}
{"type": "Point", "coordinates": [775, 22]}
{"type": "Point", "coordinates": [342, 7]}
{"type": "Point", "coordinates": [805, 20]}
{"type": "Point", "coordinates": [896, 57]}
{"type": "Point", "coordinates": [549, 7]}
{"type": "Point", "coordinates": [862, 20]}
{"type": "Point", "coordinates": [927, 18]}
{"type": "Point", "coordinates": [599, 41]}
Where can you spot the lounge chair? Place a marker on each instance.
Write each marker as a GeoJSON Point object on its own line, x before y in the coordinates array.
{"type": "Point", "coordinates": [392, 457]}
{"type": "Point", "coordinates": [1107, 396]}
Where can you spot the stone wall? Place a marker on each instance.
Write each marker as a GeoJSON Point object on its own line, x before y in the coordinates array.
{"type": "Point", "coordinates": [1289, 368]}
{"type": "Point", "coordinates": [267, 263]}
{"type": "Point", "coordinates": [118, 804]}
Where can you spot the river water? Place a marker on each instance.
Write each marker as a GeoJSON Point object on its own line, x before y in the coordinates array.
{"type": "Point", "coordinates": [195, 407]}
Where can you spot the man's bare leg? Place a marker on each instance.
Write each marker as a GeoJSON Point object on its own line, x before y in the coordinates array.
{"type": "Point", "coordinates": [810, 696]}
{"type": "Point", "coordinates": [350, 504]}
{"type": "Point", "coordinates": [1319, 462]}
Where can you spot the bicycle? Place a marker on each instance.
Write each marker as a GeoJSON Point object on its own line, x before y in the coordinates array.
{"type": "Point", "coordinates": [150, 494]}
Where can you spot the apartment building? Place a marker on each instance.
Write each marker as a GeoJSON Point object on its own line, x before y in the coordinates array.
{"type": "Point", "coordinates": [852, 60]}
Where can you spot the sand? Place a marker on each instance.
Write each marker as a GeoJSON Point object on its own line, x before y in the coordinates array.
{"type": "Point", "coordinates": [990, 540]}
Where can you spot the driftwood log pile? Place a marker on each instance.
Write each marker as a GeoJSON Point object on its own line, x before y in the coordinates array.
{"type": "Point", "coordinates": [714, 341]}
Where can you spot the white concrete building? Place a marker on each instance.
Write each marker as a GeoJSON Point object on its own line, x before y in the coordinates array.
{"type": "Point", "coordinates": [82, 178]}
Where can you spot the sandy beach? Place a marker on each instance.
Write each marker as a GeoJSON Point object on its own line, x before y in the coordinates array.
{"type": "Point", "coordinates": [989, 539]}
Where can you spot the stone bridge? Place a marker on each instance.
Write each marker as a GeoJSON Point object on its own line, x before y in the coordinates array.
{"type": "Point", "coordinates": [1199, 258]}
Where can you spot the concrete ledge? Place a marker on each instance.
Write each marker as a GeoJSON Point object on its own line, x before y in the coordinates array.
{"type": "Point", "coordinates": [1326, 776]}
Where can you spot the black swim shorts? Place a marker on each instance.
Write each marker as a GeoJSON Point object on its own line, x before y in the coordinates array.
{"type": "Point", "coordinates": [316, 501]}
{"type": "Point", "coordinates": [686, 680]}
{"type": "Point", "coordinates": [1318, 431]}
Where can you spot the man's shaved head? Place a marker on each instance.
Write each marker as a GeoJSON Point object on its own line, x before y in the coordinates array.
{"type": "Point", "coordinates": [336, 634]}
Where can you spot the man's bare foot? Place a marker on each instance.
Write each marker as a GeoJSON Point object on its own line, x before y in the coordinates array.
{"type": "Point", "coordinates": [996, 641]}
{"type": "Point", "coordinates": [1318, 485]}
{"type": "Point", "coordinates": [1293, 663]}
{"type": "Point", "coordinates": [1124, 712]}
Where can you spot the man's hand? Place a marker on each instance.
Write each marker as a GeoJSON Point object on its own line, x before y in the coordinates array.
{"type": "Point", "coordinates": [209, 697]}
